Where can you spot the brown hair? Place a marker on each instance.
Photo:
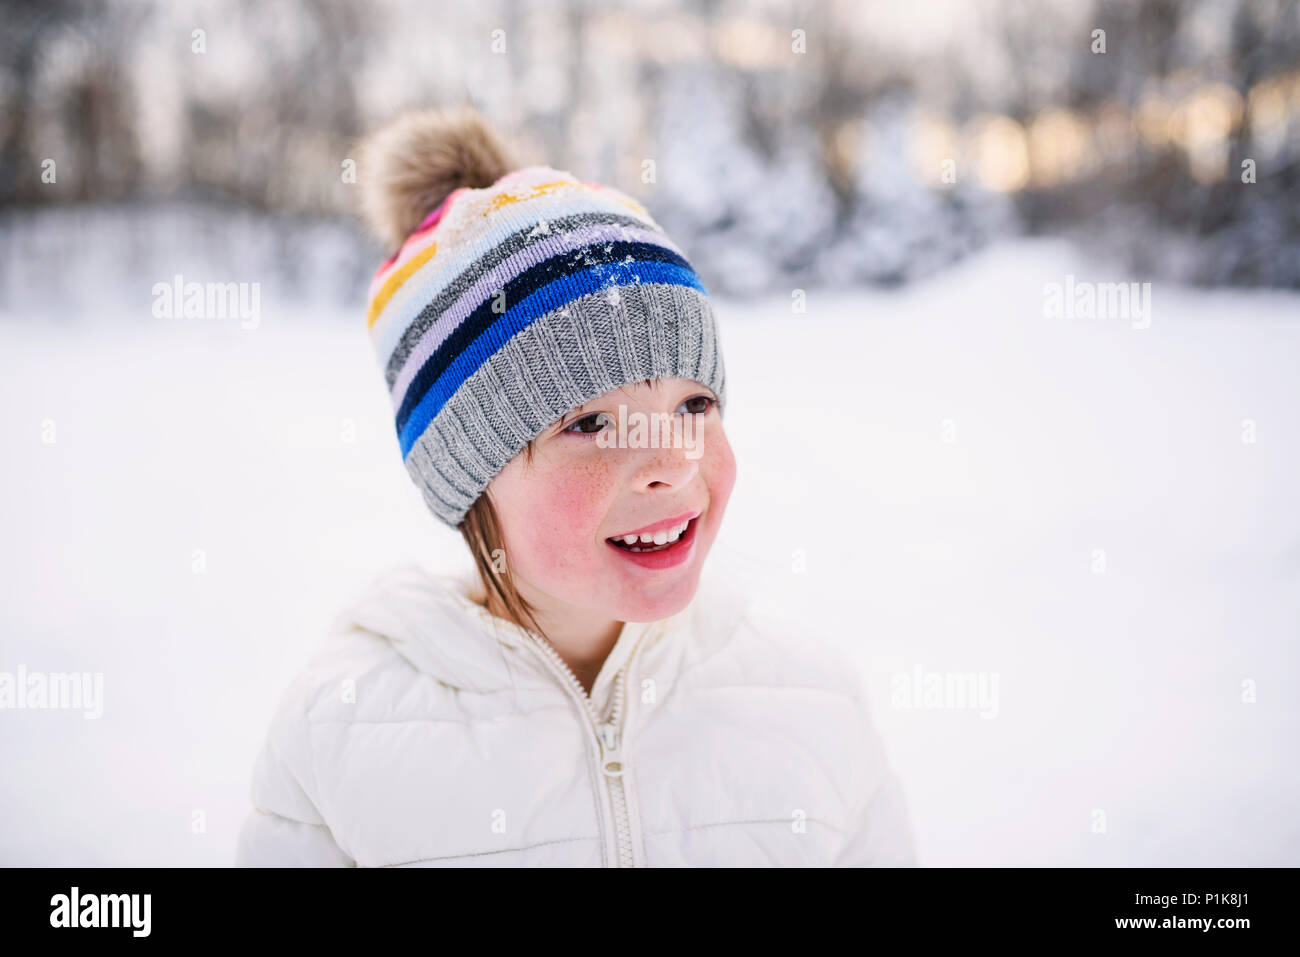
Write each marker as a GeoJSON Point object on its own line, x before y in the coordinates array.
{"type": "Point", "coordinates": [482, 533]}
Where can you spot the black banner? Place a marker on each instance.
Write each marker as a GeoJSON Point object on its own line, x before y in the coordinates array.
{"type": "Point", "coordinates": [1149, 905]}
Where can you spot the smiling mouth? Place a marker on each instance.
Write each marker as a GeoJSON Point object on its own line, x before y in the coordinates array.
{"type": "Point", "coordinates": [659, 541]}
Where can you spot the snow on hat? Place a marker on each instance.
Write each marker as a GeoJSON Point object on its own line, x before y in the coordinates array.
{"type": "Point", "coordinates": [513, 298]}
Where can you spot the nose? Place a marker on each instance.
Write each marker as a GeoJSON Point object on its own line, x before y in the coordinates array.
{"type": "Point", "coordinates": [664, 468]}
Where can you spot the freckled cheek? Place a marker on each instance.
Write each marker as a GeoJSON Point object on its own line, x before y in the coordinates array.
{"type": "Point", "coordinates": [564, 519]}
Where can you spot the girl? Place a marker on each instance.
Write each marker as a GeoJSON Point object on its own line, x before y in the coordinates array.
{"type": "Point", "coordinates": [585, 695]}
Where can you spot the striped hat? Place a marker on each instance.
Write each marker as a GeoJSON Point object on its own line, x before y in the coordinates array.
{"type": "Point", "coordinates": [514, 303]}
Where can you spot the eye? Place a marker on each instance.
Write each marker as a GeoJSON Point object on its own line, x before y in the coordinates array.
{"type": "Point", "coordinates": [588, 424]}
{"type": "Point", "coordinates": [708, 400]}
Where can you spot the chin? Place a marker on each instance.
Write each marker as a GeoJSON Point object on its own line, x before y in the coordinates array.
{"type": "Point", "coordinates": [652, 602]}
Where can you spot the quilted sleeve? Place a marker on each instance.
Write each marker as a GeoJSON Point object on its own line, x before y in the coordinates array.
{"type": "Point", "coordinates": [882, 834]}
{"type": "Point", "coordinates": [285, 827]}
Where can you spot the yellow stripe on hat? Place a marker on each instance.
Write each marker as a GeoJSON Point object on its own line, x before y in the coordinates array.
{"type": "Point", "coordinates": [505, 198]}
{"type": "Point", "coordinates": [391, 284]}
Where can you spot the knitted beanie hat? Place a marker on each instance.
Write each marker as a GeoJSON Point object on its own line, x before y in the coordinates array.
{"type": "Point", "coordinates": [513, 298]}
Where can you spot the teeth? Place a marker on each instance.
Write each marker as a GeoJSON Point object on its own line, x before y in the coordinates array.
{"type": "Point", "coordinates": [661, 537]}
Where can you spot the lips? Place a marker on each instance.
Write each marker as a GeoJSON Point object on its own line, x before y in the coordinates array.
{"type": "Point", "coordinates": [666, 554]}
{"type": "Point", "coordinates": [652, 541]}
{"type": "Point", "coordinates": [663, 532]}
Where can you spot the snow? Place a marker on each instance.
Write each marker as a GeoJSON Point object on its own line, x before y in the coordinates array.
{"type": "Point", "coordinates": [271, 450]}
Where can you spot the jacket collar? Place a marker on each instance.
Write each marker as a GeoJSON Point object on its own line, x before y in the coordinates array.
{"type": "Point", "coordinates": [431, 619]}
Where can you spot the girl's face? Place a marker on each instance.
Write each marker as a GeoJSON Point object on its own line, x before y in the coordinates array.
{"type": "Point", "coordinates": [639, 459]}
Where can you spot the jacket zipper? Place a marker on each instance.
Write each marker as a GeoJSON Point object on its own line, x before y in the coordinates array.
{"type": "Point", "coordinates": [608, 733]}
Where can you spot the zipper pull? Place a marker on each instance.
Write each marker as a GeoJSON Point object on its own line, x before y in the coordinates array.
{"type": "Point", "coordinates": [612, 765]}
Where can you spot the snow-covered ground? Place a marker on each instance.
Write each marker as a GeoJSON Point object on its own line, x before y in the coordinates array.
{"type": "Point", "coordinates": [1065, 507]}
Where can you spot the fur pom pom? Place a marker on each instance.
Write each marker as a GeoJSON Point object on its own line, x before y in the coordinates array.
{"type": "Point", "coordinates": [412, 164]}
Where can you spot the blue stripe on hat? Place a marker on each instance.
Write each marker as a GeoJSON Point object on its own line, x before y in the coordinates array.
{"type": "Point", "coordinates": [548, 298]}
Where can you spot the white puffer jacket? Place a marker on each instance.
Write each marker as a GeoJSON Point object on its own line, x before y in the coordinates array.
{"type": "Point", "coordinates": [426, 732]}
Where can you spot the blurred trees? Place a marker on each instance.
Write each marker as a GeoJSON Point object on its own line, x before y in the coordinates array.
{"type": "Point", "coordinates": [782, 144]}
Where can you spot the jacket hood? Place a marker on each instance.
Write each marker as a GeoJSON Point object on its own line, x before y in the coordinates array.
{"type": "Point", "coordinates": [430, 619]}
